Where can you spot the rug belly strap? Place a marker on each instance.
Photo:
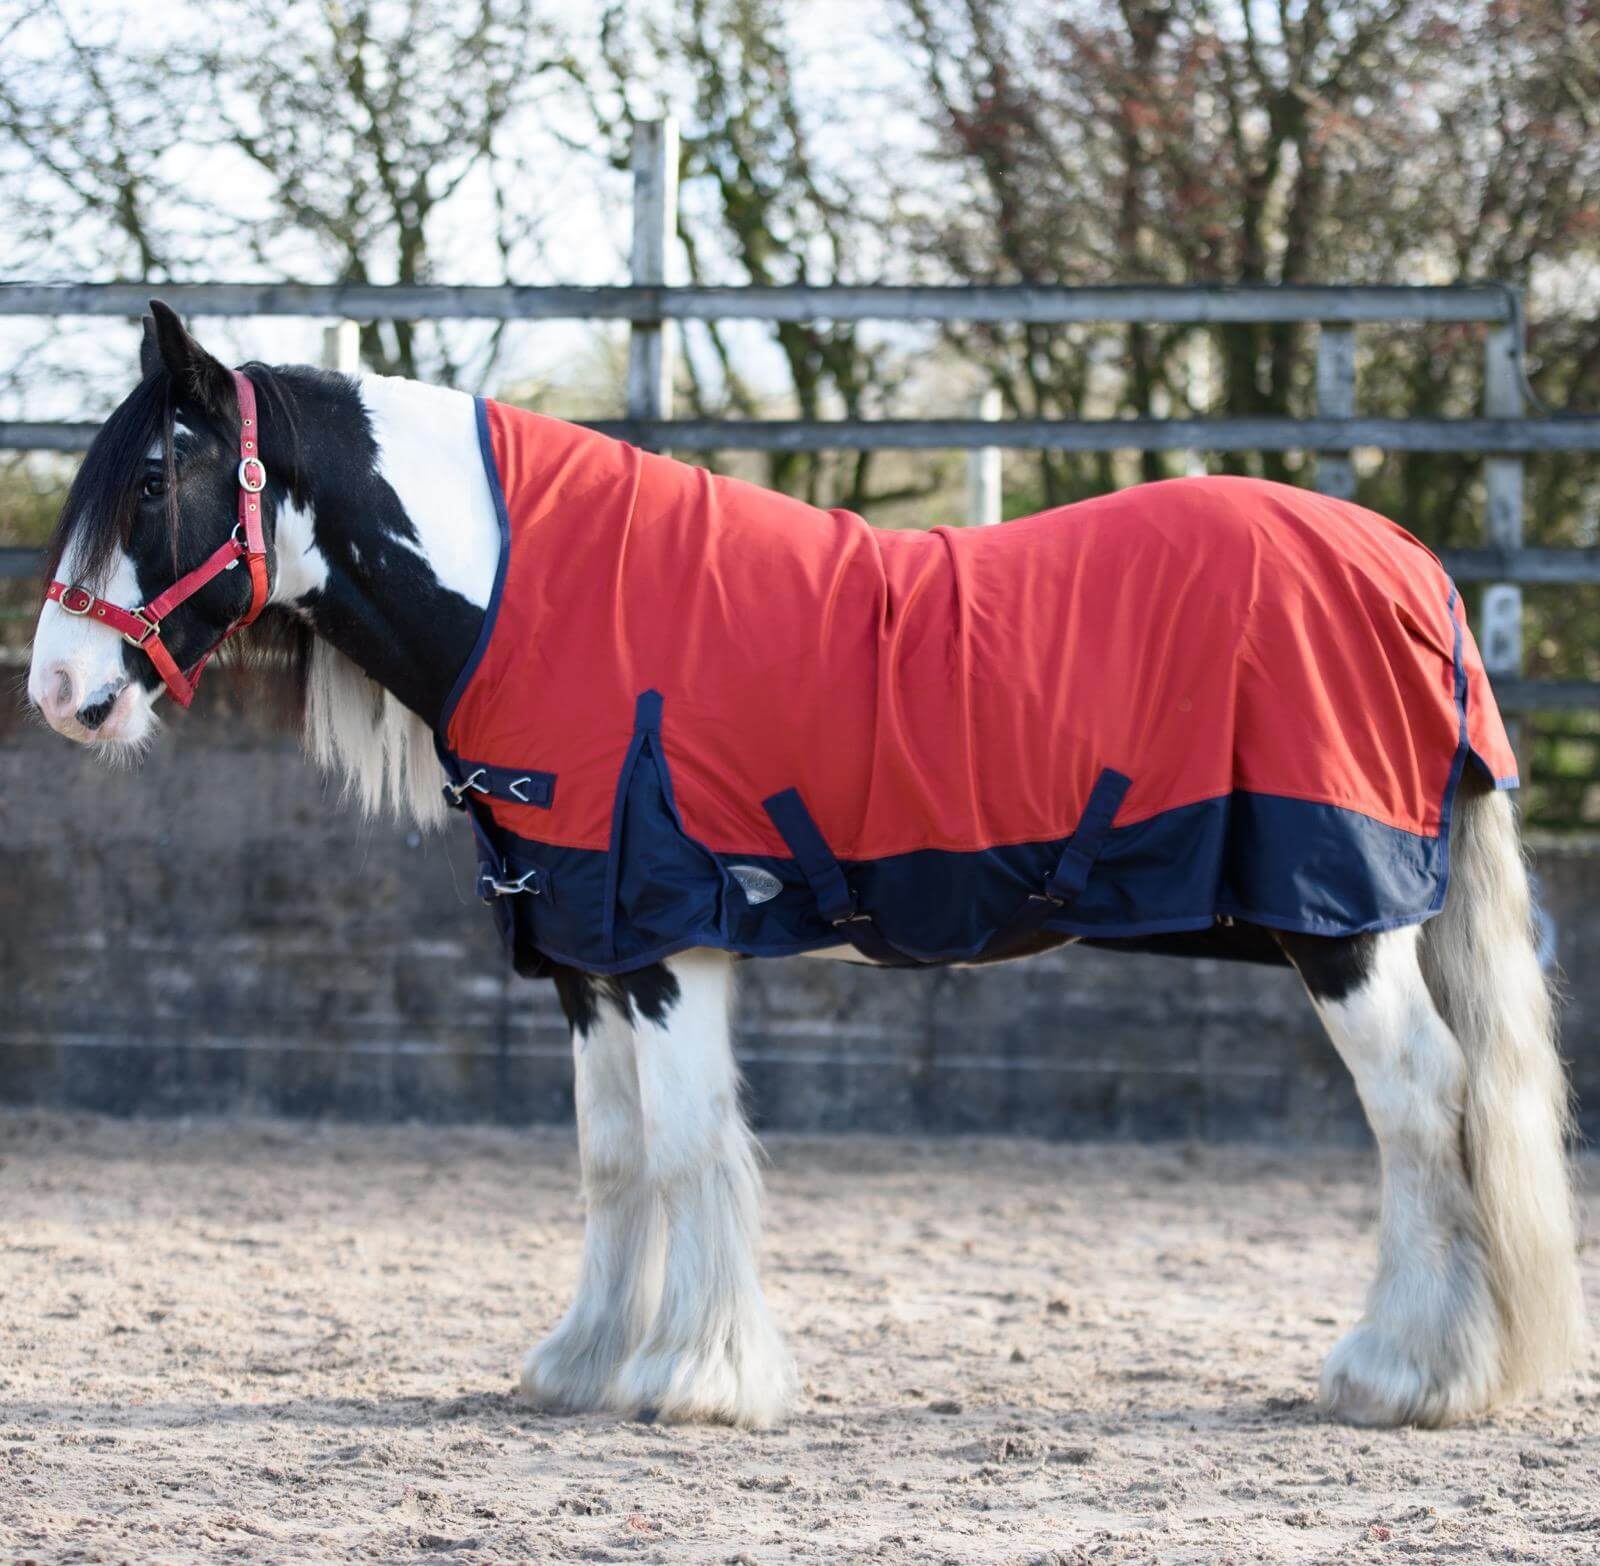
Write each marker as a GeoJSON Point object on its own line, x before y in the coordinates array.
{"type": "Point", "coordinates": [838, 904]}
{"type": "Point", "coordinates": [823, 873]}
{"type": "Point", "coordinates": [1071, 874]}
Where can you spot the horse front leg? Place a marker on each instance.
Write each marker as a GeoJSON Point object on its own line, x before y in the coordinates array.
{"type": "Point", "coordinates": [619, 1281]}
{"type": "Point", "coordinates": [711, 1351]}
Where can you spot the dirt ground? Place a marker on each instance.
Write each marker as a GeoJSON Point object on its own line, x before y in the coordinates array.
{"type": "Point", "coordinates": [266, 1342]}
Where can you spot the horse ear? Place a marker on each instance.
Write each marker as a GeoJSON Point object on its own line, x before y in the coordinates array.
{"type": "Point", "coordinates": [149, 350]}
{"type": "Point", "coordinates": [197, 374]}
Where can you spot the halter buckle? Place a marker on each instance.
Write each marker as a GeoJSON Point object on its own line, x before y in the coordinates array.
{"type": "Point", "coordinates": [83, 593]}
{"type": "Point", "coordinates": [252, 475]}
{"type": "Point", "coordinates": [151, 627]}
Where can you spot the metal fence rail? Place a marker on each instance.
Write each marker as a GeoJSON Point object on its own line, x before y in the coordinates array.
{"type": "Point", "coordinates": [1513, 437]}
{"type": "Point", "coordinates": [648, 300]}
{"type": "Point", "coordinates": [1503, 436]}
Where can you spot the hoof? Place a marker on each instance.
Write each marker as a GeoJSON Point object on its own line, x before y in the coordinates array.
{"type": "Point", "coordinates": [565, 1376]}
{"type": "Point", "coordinates": [753, 1389]}
{"type": "Point", "coordinates": [1371, 1380]}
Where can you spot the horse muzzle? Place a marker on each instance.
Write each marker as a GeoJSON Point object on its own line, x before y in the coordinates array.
{"type": "Point", "coordinates": [114, 713]}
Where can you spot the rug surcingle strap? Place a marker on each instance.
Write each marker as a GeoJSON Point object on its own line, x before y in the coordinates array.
{"type": "Point", "coordinates": [825, 876]}
{"type": "Point", "coordinates": [1071, 873]}
{"type": "Point", "coordinates": [837, 903]}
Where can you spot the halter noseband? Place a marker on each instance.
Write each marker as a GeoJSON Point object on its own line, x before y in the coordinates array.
{"type": "Point", "coordinates": [141, 627]}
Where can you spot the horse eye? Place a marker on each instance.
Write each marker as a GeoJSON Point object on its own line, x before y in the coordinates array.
{"type": "Point", "coordinates": [154, 487]}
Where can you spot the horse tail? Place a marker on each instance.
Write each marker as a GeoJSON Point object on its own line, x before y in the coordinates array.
{"type": "Point", "coordinates": [1482, 967]}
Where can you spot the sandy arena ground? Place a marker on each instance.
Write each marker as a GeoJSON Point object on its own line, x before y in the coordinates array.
{"type": "Point", "coordinates": [279, 1343]}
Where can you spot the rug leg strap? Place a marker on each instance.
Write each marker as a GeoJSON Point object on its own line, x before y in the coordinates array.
{"type": "Point", "coordinates": [1071, 874]}
{"type": "Point", "coordinates": [825, 876]}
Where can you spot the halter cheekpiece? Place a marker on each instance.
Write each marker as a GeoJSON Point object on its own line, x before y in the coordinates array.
{"type": "Point", "coordinates": [141, 627]}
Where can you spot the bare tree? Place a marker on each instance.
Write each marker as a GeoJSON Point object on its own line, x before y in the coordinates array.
{"type": "Point", "coordinates": [80, 154]}
{"type": "Point", "coordinates": [361, 141]}
{"type": "Point", "coordinates": [1209, 141]}
{"type": "Point", "coordinates": [369, 120]}
{"type": "Point", "coordinates": [364, 142]}
{"type": "Point", "coordinates": [760, 207]}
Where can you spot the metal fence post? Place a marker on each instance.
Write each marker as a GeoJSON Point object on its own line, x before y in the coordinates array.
{"type": "Point", "coordinates": [983, 468]}
{"type": "Point", "coordinates": [1500, 629]}
{"type": "Point", "coordinates": [1336, 399]}
{"type": "Point", "coordinates": [341, 348]}
{"type": "Point", "coordinates": [655, 221]}
{"type": "Point", "coordinates": [1500, 619]}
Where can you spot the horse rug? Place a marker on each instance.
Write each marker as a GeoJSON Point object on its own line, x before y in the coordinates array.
{"type": "Point", "coordinates": [704, 714]}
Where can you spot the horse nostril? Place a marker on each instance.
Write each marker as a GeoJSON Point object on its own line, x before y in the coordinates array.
{"type": "Point", "coordinates": [59, 693]}
{"type": "Point", "coordinates": [92, 717]}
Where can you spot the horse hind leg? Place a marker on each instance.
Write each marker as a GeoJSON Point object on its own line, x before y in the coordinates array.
{"type": "Point", "coordinates": [1428, 1348]}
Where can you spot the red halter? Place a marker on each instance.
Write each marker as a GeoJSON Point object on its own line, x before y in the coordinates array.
{"type": "Point", "coordinates": [142, 626]}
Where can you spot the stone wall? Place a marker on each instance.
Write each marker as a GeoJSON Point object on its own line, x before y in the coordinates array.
{"type": "Point", "coordinates": [215, 932]}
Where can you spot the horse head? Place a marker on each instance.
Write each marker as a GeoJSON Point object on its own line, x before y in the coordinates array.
{"type": "Point", "coordinates": [163, 548]}
{"type": "Point", "coordinates": [352, 514]}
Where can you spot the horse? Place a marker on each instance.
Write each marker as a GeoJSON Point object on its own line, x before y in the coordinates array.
{"type": "Point", "coordinates": [355, 525]}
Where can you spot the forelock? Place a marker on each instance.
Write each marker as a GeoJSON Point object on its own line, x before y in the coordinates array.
{"type": "Point", "coordinates": [101, 505]}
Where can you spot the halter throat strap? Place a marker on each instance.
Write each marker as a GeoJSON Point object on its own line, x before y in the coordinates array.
{"type": "Point", "coordinates": [141, 626]}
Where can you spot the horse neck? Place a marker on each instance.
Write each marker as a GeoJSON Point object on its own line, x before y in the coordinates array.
{"type": "Point", "coordinates": [392, 557]}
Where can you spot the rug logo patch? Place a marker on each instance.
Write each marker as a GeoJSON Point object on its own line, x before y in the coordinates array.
{"type": "Point", "coordinates": [759, 886]}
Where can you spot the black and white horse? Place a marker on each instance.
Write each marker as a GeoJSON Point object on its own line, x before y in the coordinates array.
{"type": "Point", "coordinates": [382, 543]}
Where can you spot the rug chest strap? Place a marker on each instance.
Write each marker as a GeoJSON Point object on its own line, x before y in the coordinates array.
{"type": "Point", "coordinates": [468, 778]}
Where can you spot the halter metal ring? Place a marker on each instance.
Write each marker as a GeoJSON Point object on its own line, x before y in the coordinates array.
{"type": "Point", "coordinates": [252, 475]}
{"type": "Point", "coordinates": [240, 542]}
{"type": "Point", "coordinates": [83, 593]}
